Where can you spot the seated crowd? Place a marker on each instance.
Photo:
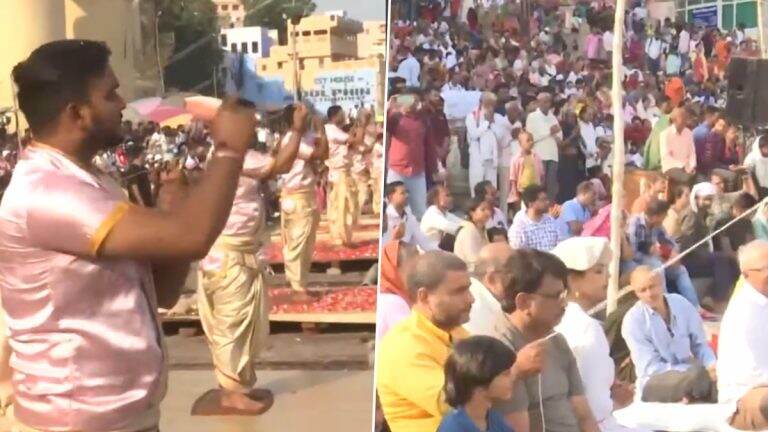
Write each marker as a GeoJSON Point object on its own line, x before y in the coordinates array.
{"type": "Point", "coordinates": [496, 254]}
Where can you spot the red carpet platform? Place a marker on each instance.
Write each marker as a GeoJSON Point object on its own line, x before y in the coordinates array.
{"type": "Point", "coordinates": [350, 304]}
{"type": "Point", "coordinates": [326, 252]}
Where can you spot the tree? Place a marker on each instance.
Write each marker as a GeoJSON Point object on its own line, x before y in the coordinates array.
{"type": "Point", "coordinates": [191, 22]}
{"type": "Point", "coordinates": [271, 13]}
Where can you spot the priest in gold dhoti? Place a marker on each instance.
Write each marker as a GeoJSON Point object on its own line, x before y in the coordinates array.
{"type": "Point", "coordinates": [343, 204]}
{"type": "Point", "coordinates": [299, 216]}
{"type": "Point", "coordinates": [232, 297]}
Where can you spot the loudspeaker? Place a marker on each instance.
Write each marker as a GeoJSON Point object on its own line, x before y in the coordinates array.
{"type": "Point", "coordinates": [747, 102]}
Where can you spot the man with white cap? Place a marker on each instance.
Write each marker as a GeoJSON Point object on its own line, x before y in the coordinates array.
{"type": "Point", "coordinates": [742, 369]}
{"type": "Point", "coordinates": [587, 260]}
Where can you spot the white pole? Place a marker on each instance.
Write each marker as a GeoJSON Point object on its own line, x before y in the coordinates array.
{"type": "Point", "coordinates": [617, 176]}
{"type": "Point", "coordinates": [761, 29]}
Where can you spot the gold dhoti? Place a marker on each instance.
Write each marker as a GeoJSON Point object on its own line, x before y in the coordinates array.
{"type": "Point", "coordinates": [234, 311]}
{"type": "Point", "coordinates": [342, 208]}
{"type": "Point", "coordinates": [376, 188]}
{"type": "Point", "coordinates": [298, 229]}
{"type": "Point", "coordinates": [361, 180]}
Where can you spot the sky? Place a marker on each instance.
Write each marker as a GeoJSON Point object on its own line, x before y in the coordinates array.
{"type": "Point", "coordinates": [358, 9]}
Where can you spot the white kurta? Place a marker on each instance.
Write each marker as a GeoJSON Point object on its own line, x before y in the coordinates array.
{"type": "Point", "coordinates": [486, 310]}
{"type": "Point", "coordinates": [483, 150]}
{"type": "Point", "coordinates": [586, 338]}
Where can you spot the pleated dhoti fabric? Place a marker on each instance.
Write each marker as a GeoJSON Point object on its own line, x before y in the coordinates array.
{"type": "Point", "coordinates": [234, 311]}
{"type": "Point", "coordinates": [342, 208]}
{"type": "Point", "coordinates": [361, 180]}
{"type": "Point", "coordinates": [299, 219]}
{"type": "Point", "coordinates": [376, 187]}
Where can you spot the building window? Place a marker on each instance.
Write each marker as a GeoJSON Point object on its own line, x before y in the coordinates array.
{"type": "Point", "coordinates": [254, 47]}
{"type": "Point", "coordinates": [235, 7]}
{"type": "Point", "coordinates": [224, 40]}
{"type": "Point", "coordinates": [225, 7]}
{"type": "Point", "coordinates": [263, 68]}
{"type": "Point", "coordinates": [321, 32]}
{"type": "Point", "coordinates": [244, 47]}
{"type": "Point", "coordinates": [280, 65]}
{"type": "Point", "coordinates": [301, 64]}
{"type": "Point", "coordinates": [233, 47]}
{"type": "Point", "coordinates": [321, 62]}
{"type": "Point", "coordinates": [306, 33]}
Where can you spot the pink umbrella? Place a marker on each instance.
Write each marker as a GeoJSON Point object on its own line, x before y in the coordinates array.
{"type": "Point", "coordinates": [202, 107]}
{"type": "Point", "coordinates": [163, 113]}
{"type": "Point", "coordinates": [146, 105]}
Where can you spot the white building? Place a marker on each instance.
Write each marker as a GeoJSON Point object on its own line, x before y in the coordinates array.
{"type": "Point", "coordinates": [246, 40]}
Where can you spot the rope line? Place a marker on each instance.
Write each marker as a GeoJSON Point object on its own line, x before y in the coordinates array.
{"type": "Point", "coordinates": [624, 291]}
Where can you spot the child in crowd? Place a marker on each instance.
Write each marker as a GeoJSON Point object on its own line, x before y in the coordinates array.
{"type": "Point", "coordinates": [477, 374]}
{"type": "Point", "coordinates": [526, 169]}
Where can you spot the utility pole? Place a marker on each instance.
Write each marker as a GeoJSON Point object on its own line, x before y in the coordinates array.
{"type": "Point", "coordinates": [160, 69]}
{"type": "Point", "coordinates": [761, 29]}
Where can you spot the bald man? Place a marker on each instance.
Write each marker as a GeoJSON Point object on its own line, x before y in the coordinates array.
{"type": "Point", "coordinates": [667, 344]}
{"type": "Point", "coordinates": [547, 137]}
{"type": "Point", "coordinates": [487, 287]}
{"type": "Point", "coordinates": [742, 369]}
{"type": "Point", "coordinates": [678, 152]}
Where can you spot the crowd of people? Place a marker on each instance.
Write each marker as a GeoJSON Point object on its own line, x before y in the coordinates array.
{"type": "Point", "coordinates": [505, 108]}
{"type": "Point", "coordinates": [101, 220]}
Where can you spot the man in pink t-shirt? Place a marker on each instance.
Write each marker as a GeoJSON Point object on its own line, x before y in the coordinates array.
{"type": "Point", "coordinates": [83, 270]}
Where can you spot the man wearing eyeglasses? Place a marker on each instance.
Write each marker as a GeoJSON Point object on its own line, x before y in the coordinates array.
{"type": "Point", "coordinates": [667, 344]}
{"type": "Point", "coordinates": [743, 343]}
{"type": "Point", "coordinates": [534, 302]}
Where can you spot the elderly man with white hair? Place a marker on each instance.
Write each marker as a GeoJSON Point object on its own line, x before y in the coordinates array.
{"type": "Point", "coordinates": [547, 137]}
{"type": "Point", "coordinates": [742, 368]}
{"type": "Point", "coordinates": [483, 142]}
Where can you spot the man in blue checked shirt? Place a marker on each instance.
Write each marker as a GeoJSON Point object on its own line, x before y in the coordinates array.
{"type": "Point", "coordinates": [667, 344]}
{"type": "Point", "coordinates": [652, 247]}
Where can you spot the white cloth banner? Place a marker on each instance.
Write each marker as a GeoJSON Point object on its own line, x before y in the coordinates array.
{"type": "Point", "coordinates": [459, 103]}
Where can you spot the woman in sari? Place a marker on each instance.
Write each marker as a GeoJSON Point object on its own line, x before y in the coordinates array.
{"type": "Point", "coordinates": [393, 301]}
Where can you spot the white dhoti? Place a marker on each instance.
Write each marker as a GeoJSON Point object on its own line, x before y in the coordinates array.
{"type": "Point", "coordinates": [234, 311]}
{"type": "Point", "coordinates": [481, 171]}
{"type": "Point", "coordinates": [503, 189]}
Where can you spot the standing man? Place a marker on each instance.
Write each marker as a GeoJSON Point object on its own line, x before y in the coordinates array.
{"type": "Point", "coordinates": [509, 127]}
{"type": "Point", "coordinates": [547, 137]}
{"type": "Point", "coordinates": [483, 144]}
{"type": "Point", "coordinates": [299, 216]}
{"type": "Point", "coordinates": [342, 201]}
{"type": "Point", "coordinates": [83, 270]}
{"type": "Point", "coordinates": [406, 152]}
{"type": "Point", "coordinates": [678, 153]}
{"type": "Point", "coordinates": [232, 297]}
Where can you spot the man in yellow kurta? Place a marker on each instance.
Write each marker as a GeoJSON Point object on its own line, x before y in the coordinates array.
{"type": "Point", "coordinates": [343, 199]}
{"type": "Point", "coordinates": [411, 357]}
{"type": "Point", "coordinates": [232, 297]}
